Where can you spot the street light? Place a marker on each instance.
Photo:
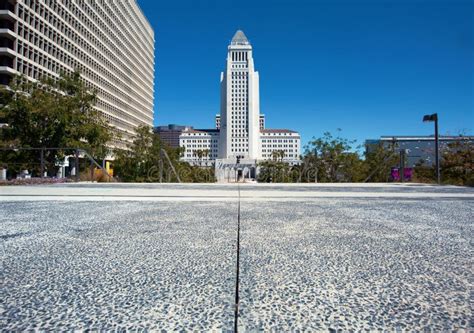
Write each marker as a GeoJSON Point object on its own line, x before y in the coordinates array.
{"type": "Point", "coordinates": [429, 118]}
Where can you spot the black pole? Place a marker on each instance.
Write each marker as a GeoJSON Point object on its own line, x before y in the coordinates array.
{"type": "Point", "coordinates": [92, 170]}
{"type": "Point", "coordinates": [77, 165]}
{"type": "Point", "coordinates": [42, 163]}
{"type": "Point", "coordinates": [402, 165]}
{"type": "Point", "coordinates": [438, 175]}
{"type": "Point", "coordinates": [160, 165]}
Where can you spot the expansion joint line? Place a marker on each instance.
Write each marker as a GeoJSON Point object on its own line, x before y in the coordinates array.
{"type": "Point", "coordinates": [237, 277]}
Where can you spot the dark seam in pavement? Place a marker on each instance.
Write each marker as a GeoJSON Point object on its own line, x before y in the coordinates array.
{"type": "Point", "coordinates": [237, 278]}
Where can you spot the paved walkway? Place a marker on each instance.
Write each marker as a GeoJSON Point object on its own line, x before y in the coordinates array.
{"type": "Point", "coordinates": [226, 192]}
{"type": "Point", "coordinates": [313, 257]}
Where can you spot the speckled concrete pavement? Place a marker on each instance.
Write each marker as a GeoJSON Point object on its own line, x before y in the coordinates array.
{"type": "Point", "coordinates": [357, 265]}
{"type": "Point", "coordinates": [314, 257]}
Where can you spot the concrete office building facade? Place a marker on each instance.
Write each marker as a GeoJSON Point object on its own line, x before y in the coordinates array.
{"type": "Point", "coordinates": [110, 42]}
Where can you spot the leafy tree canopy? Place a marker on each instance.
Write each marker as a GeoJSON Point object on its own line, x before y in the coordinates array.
{"type": "Point", "coordinates": [148, 159]}
{"type": "Point", "coordinates": [53, 113]}
{"type": "Point", "coordinates": [333, 160]}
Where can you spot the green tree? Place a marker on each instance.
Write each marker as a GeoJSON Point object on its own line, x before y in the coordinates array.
{"type": "Point", "coordinates": [332, 159]}
{"type": "Point", "coordinates": [274, 171]}
{"type": "Point", "coordinates": [379, 160]}
{"type": "Point", "coordinates": [133, 164]}
{"type": "Point", "coordinates": [457, 163]}
{"type": "Point", "coordinates": [278, 155]}
{"type": "Point", "coordinates": [148, 159]}
{"type": "Point", "coordinates": [53, 114]}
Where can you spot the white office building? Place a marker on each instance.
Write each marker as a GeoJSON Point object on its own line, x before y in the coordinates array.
{"type": "Point", "coordinates": [280, 140]}
{"type": "Point", "coordinates": [110, 42]}
{"type": "Point", "coordinates": [200, 146]}
{"type": "Point", "coordinates": [240, 139]}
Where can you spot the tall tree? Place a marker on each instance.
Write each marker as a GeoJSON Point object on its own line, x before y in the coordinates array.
{"type": "Point", "coordinates": [379, 160]}
{"type": "Point", "coordinates": [54, 114]}
{"type": "Point", "coordinates": [333, 160]}
{"type": "Point", "coordinates": [148, 159]}
{"type": "Point", "coordinates": [457, 163]}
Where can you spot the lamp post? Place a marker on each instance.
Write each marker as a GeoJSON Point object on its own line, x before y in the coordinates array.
{"type": "Point", "coordinates": [429, 118]}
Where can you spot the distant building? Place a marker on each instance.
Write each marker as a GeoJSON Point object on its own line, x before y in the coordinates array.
{"type": "Point", "coordinates": [169, 134]}
{"type": "Point", "coordinates": [272, 140]}
{"type": "Point", "coordinates": [111, 43]}
{"type": "Point", "coordinates": [418, 148]}
{"type": "Point", "coordinates": [240, 138]}
{"type": "Point", "coordinates": [201, 146]}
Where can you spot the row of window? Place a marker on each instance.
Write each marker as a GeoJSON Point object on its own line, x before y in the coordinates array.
{"type": "Point", "coordinates": [279, 140]}
{"type": "Point", "coordinates": [36, 72]}
{"type": "Point", "coordinates": [73, 18]}
{"type": "Point", "coordinates": [237, 150]}
{"type": "Point", "coordinates": [188, 141]}
{"type": "Point", "coordinates": [240, 66]}
{"type": "Point", "coordinates": [190, 146]}
{"type": "Point", "coordinates": [195, 156]}
{"type": "Point", "coordinates": [274, 148]}
{"type": "Point", "coordinates": [30, 70]}
{"type": "Point", "coordinates": [131, 122]}
{"type": "Point", "coordinates": [239, 56]}
{"type": "Point", "coordinates": [279, 146]}
{"type": "Point", "coordinates": [239, 75]}
{"type": "Point", "coordinates": [45, 60]}
{"type": "Point", "coordinates": [60, 47]}
{"type": "Point", "coordinates": [280, 134]}
{"type": "Point", "coordinates": [269, 156]}
{"type": "Point", "coordinates": [72, 11]}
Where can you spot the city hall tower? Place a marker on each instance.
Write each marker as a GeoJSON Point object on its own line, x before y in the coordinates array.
{"type": "Point", "coordinates": [240, 103]}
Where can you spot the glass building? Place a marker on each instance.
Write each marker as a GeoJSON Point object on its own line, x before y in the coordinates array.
{"type": "Point", "coordinates": [419, 149]}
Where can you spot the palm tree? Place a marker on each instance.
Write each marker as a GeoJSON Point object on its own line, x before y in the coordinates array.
{"type": "Point", "coordinates": [278, 155]}
{"type": "Point", "coordinates": [275, 155]}
{"type": "Point", "coordinates": [199, 153]}
{"type": "Point", "coordinates": [282, 155]}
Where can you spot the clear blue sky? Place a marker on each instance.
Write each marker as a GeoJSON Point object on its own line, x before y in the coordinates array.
{"type": "Point", "coordinates": [371, 68]}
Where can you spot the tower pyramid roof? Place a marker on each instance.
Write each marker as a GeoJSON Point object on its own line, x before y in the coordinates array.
{"type": "Point", "coordinates": [239, 38]}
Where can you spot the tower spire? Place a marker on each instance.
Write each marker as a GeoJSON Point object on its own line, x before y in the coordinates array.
{"type": "Point", "coordinates": [240, 38]}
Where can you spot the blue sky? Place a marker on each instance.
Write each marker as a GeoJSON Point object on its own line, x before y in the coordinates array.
{"type": "Point", "coordinates": [371, 68]}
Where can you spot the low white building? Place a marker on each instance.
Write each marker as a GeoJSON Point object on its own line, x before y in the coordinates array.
{"type": "Point", "coordinates": [200, 146]}
{"type": "Point", "coordinates": [286, 141]}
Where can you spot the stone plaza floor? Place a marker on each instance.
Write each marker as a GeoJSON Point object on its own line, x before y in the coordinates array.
{"type": "Point", "coordinates": [313, 257]}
